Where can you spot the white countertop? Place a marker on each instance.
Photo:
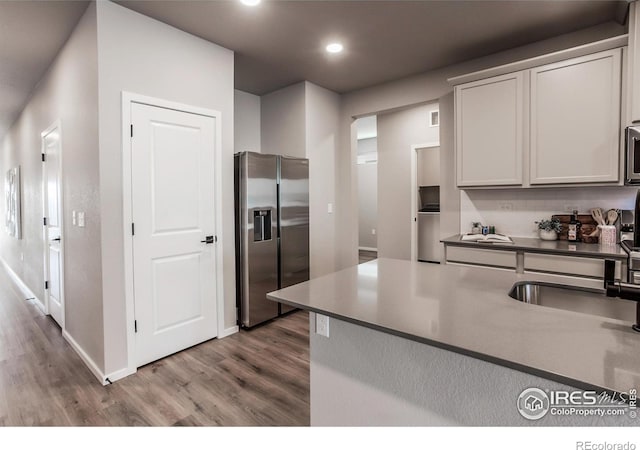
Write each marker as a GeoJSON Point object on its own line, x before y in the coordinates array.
{"type": "Point", "coordinates": [468, 310]}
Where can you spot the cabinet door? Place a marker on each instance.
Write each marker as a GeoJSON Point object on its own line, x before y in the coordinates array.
{"type": "Point", "coordinates": [489, 125]}
{"type": "Point", "coordinates": [633, 83]}
{"type": "Point", "coordinates": [575, 120]}
{"type": "Point", "coordinates": [429, 166]}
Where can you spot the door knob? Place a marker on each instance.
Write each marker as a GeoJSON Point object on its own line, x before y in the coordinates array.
{"type": "Point", "coordinates": [209, 240]}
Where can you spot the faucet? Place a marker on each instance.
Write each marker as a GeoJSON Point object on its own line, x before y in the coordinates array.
{"type": "Point", "coordinates": [626, 291]}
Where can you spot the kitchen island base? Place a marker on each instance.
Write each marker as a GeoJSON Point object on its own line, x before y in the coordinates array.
{"type": "Point", "coordinates": [365, 377]}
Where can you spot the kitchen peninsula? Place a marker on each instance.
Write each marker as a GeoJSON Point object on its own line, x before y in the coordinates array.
{"type": "Point", "coordinates": [423, 344]}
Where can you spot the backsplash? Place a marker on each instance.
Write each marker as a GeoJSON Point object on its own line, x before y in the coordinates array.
{"type": "Point", "coordinates": [515, 211]}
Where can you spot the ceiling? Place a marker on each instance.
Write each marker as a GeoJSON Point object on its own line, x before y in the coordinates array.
{"type": "Point", "coordinates": [31, 35]}
{"type": "Point", "coordinates": [278, 43]}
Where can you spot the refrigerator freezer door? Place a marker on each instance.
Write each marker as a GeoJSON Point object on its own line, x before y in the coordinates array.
{"type": "Point", "coordinates": [294, 222]}
{"type": "Point", "coordinates": [257, 198]}
{"type": "Point", "coordinates": [429, 246]}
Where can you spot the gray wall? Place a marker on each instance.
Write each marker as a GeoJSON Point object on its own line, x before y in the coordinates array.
{"type": "Point", "coordinates": [363, 377]}
{"type": "Point", "coordinates": [283, 121]}
{"type": "Point", "coordinates": [68, 92]}
{"type": "Point", "coordinates": [246, 129]}
{"type": "Point", "coordinates": [367, 205]}
{"type": "Point", "coordinates": [397, 132]}
{"type": "Point", "coordinates": [427, 87]}
{"type": "Point", "coordinates": [144, 56]}
{"type": "Point", "coordinates": [322, 125]}
{"type": "Point", "coordinates": [302, 120]}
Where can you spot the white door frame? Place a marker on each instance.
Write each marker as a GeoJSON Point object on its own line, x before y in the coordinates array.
{"type": "Point", "coordinates": [45, 234]}
{"type": "Point", "coordinates": [414, 195]}
{"type": "Point", "coordinates": [127, 99]}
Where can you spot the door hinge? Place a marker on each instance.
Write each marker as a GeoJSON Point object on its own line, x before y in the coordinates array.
{"type": "Point", "coordinates": [131, 130]}
{"type": "Point", "coordinates": [133, 229]}
{"type": "Point", "coordinates": [46, 285]}
{"type": "Point", "coordinates": [44, 219]}
{"type": "Point", "coordinates": [135, 326]}
{"type": "Point", "coordinates": [44, 157]}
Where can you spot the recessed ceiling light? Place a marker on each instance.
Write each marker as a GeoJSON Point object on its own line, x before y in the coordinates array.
{"type": "Point", "coordinates": [335, 47]}
{"type": "Point", "coordinates": [250, 2]}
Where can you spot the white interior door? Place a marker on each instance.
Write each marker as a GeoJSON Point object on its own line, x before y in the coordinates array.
{"type": "Point", "coordinates": [173, 210]}
{"type": "Point", "coordinates": [52, 193]}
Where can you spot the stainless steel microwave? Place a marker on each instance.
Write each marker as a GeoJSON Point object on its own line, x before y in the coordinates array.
{"type": "Point", "coordinates": [633, 155]}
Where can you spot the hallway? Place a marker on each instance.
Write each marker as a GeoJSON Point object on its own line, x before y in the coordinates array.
{"type": "Point", "coordinates": [250, 378]}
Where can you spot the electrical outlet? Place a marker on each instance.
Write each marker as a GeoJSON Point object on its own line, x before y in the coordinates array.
{"type": "Point", "coordinates": [505, 206]}
{"type": "Point", "coordinates": [322, 325]}
{"type": "Point", "coordinates": [330, 208]}
{"type": "Point", "coordinates": [73, 218]}
{"type": "Point", "coordinates": [81, 219]}
{"type": "Point", "coordinates": [571, 208]}
{"type": "Point", "coordinates": [373, 231]}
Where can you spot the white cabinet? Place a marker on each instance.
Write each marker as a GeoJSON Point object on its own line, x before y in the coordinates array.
{"type": "Point", "coordinates": [575, 120]}
{"type": "Point", "coordinates": [633, 83]}
{"type": "Point", "coordinates": [481, 257]}
{"type": "Point", "coordinates": [489, 131]}
{"type": "Point", "coordinates": [428, 166]}
{"type": "Point", "coordinates": [553, 124]}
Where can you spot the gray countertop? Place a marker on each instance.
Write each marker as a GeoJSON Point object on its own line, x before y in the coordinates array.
{"type": "Point", "coordinates": [534, 245]}
{"type": "Point", "coordinates": [468, 310]}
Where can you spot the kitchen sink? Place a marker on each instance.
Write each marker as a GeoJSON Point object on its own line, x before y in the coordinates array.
{"type": "Point", "coordinates": [570, 298]}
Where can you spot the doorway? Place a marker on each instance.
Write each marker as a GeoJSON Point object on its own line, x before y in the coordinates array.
{"type": "Point", "coordinates": [174, 270]}
{"type": "Point", "coordinates": [425, 189]}
{"type": "Point", "coordinates": [53, 230]}
{"type": "Point", "coordinates": [367, 173]}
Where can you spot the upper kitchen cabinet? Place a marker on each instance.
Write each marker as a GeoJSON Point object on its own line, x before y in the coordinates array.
{"type": "Point", "coordinates": [575, 120]}
{"type": "Point", "coordinates": [633, 84]}
{"type": "Point", "coordinates": [489, 131]}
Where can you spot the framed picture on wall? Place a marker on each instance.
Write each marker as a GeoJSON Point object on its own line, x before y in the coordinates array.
{"type": "Point", "coordinates": [12, 205]}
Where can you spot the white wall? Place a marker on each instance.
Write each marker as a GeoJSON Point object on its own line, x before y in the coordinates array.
{"type": "Point", "coordinates": [283, 121]}
{"type": "Point", "coordinates": [68, 92]}
{"type": "Point", "coordinates": [367, 205]}
{"type": "Point", "coordinates": [144, 56]}
{"type": "Point", "coordinates": [302, 120]}
{"type": "Point", "coordinates": [397, 132]}
{"type": "Point", "coordinates": [246, 130]}
{"type": "Point", "coordinates": [530, 205]}
{"type": "Point", "coordinates": [322, 115]}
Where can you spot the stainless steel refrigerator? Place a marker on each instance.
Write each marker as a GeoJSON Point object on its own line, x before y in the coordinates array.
{"type": "Point", "coordinates": [272, 231]}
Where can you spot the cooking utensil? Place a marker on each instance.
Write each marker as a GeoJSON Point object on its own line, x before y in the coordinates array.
{"type": "Point", "coordinates": [596, 213]}
{"type": "Point", "coordinates": [612, 216]}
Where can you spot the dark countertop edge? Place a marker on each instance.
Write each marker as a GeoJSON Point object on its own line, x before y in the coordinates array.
{"type": "Point", "coordinates": [579, 384]}
{"type": "Point", "coordinates": [547, 251]}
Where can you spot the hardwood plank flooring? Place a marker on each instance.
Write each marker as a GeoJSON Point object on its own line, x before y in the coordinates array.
{"type": "Point", "coordinates": [366, 256]}
{"type": "Point", "coordinates": [253, 378]}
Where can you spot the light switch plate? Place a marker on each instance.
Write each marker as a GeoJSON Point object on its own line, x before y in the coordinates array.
{"type": "Point", "coordinates": [80, 219]}
{"type": "Point", "coordinates": [73, 218]}
{"type": "Point", "coordinates": [322, 325]}
{"type": "Point", "coordinates": [330, 208]}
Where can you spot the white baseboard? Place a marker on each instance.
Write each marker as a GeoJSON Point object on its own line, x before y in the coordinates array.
{"type": "Point", "coordinates": [119, 374]}
{"type": "Point", "coordinates": [228, 332]}
{"type": "Point", "coordinates": [91, 364]}
{"type": "Point", "coordinates": [23, 287]}
{"type": "Point", "coordinates": [368, 249]}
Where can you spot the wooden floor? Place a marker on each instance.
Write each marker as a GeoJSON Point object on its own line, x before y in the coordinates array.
{"type": "Point", "coordinates": [367, 255]}
{"type": "Point", "coordinates": [251, 378]}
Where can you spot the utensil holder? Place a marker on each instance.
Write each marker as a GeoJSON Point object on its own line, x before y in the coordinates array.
{"type": "Point", "coordinates": [607, 234]}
